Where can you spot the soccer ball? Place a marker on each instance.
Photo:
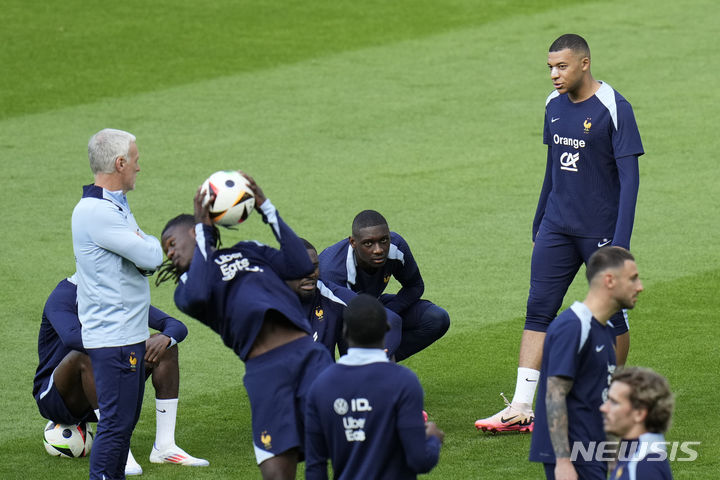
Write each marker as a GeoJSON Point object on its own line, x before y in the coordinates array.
{"type": "Point", "coordinates": [68, 440]}
{"type": "Point", "coordinates": [234, 201]}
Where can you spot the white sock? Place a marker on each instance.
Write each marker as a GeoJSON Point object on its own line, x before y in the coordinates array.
{"type": "Point", "coordinates": [131, 460]}
{"type": "Point", "coordinates": [165, 415]}
{"type": "Point", "coordinates": [97, 413]}
{"type": "Point", "coordinates": [525, 386]}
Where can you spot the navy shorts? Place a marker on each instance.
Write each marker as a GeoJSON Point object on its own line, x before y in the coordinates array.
{"type": "Point", "coordinates": [277, 383]}
{"type": "Point", "coordinates": [52, 406]}
{"type": "Point", "coordinates": [556, 259]}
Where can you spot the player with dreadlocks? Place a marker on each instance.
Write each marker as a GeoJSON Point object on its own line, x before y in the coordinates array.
{"type": "Point", "coordinates": [167, 269]}
{"type": "Point", "coordinates": [240, 293]}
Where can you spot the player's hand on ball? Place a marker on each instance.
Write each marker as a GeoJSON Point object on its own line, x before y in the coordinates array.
{"type": "Point", "coordinates": [202, 206]}
{"type": "Point", "coordinates": [257, 191]}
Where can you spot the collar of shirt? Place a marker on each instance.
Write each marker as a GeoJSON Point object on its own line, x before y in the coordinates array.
{"type": "Point", "coordinates": [351, 267]}
{"type": "Point", "coordinates": [363, 356]}
{"type": "Point", "coordinates": [582, 311]}
{"type": "Point", "coordinates": [117, 196]}
{"type": "Point", "coordinates": [650, 443]}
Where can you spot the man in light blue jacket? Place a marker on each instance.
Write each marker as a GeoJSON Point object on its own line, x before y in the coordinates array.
{"type": "Point", "coordinates": [113, 257]}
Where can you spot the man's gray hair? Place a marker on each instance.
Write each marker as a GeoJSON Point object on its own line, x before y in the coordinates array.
{"type": "Point", "coordinates": [106, 146]}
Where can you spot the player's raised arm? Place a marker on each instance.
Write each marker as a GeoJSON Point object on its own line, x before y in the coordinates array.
{"type": "Point", "coordinates": [189, 242]}
{"type": "Point", "coordinates": [292, 260]}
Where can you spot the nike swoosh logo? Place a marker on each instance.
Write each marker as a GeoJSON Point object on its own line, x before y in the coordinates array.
{"type": "Point", "coordinates": [599, 348]}
{"type": "Point", "coordinates": [522, 423]}
{"type": "Point", "coordinates": [553, 120]}
{"type": "Point", "coordinates": [161, 411]}
{"type": "Point", "coordinates": [529, 380]}
{"type": "Point", "coordinates": [603, 243]}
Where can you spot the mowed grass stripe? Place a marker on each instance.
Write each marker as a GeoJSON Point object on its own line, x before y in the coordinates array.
{"type": "Point", "coordinates": [65, 54]}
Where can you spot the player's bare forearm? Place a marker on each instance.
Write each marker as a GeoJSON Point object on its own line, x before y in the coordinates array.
{"type": "Point", "coordinates": [557, 417]}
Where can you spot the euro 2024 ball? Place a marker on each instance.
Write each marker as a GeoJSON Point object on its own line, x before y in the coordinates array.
{"type": "Point", "coordinates": [68, 441]}
{"type": "Point", "coordinates": [234, 200]}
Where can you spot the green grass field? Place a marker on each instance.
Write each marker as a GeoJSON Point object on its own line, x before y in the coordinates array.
{"type": "Point", "coordinates": [428, 111]}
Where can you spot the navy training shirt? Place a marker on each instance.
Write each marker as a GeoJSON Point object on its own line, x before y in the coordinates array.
{"type": "Point", "coordinates": [644, 458]}
{"type": "Point", "coordinates": [588, 142]}
{"type": "Point", "coordinates": [367, 418]}
{"type": "Point", "coordinates": [338, 265]}
{"type": "Point", "coordinates": [231, 289]}
{"type": "Point", "coordinates": [580, 348]}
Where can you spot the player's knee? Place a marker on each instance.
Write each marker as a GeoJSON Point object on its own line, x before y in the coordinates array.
{"type": "Point", "coordinates": [280, 467]}
{"type": "Point", "coordinates": [79, 360]}
{"type": "Point", "coordinates": [171, 354]}
{"type": "Point", "coordinates": [540, 312]}
{"type": "Point", "coordinates": [437, 320]}
{"type": "Point", "coordinates": [168, 362]}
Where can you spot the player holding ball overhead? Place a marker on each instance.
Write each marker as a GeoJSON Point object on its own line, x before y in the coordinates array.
{"type": "Point", "coordinates": [240, 293]}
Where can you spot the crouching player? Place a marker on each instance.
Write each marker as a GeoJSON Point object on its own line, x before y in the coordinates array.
{"type": "Point", "coordinates": [323, 303]}
{"type": "Point", "coordinates": [240, 293]}
{"type": "Point", "coordinates": [365, 262]}
{"type": "Point", "coordinates": [64, 385]}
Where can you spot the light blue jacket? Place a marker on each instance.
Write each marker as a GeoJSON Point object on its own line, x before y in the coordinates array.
{"type": "Point", "coordinates": [110, 252]}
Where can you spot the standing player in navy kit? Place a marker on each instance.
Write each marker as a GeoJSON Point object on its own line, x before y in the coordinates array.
{"type": "Point", "coordinates": [577, 366]}
{"type": "Point", "coordinates": [240, 293]}
{"type": "Point", "coordinates": [365, 413]}
{"type": "Point", "coordinates": [365, 261]}
{"type": "Point", "coordinates": [324, 302]}
{"type": "Point", "coordinates": [587, 201]}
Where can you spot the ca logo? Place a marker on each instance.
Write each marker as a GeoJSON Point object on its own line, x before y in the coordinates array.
{"type": "Point", "coordinates": [568, 161]}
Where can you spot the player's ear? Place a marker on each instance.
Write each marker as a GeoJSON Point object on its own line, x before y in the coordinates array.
{"type": "Point", "coordinates": [585, 62]}
{"type": "Point", "coordinates": [639, 415]}
{"type": "Point", "coordinates": [120, 163]}
{"type": "Point", "coordinates": [352, 242]}
{"type": "Point", "coordinates": [609, 279]}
